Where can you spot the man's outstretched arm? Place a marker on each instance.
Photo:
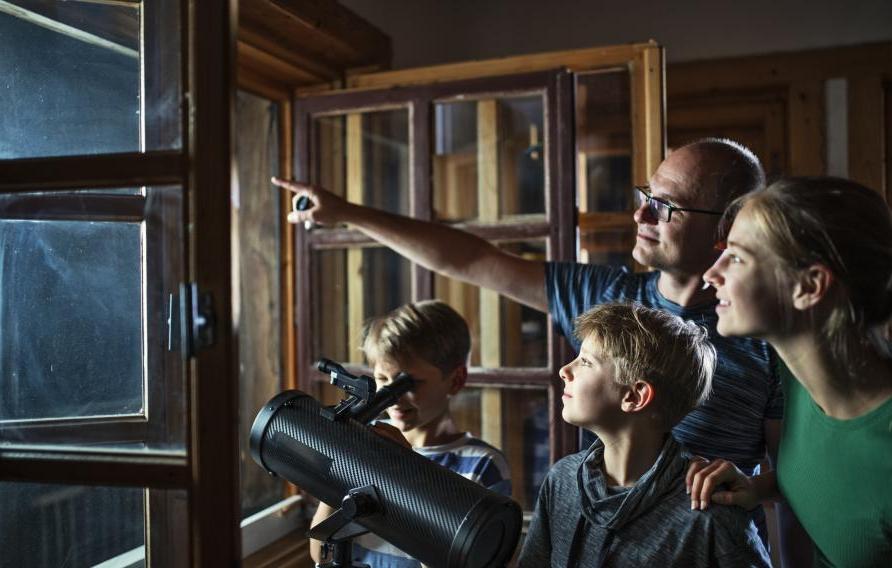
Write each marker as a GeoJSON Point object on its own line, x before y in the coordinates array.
{"type": "Point", "coordinates": [435, 246]}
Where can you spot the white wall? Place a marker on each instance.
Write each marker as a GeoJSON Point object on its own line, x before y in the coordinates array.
{"type": "Point", "coordinates": [426, 32]}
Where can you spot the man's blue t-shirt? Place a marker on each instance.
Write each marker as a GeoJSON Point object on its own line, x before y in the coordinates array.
{"type": "Point", "coordinates": [745, 388]}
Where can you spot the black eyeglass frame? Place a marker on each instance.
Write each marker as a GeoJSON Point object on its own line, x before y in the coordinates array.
{"type": "Point", "coordinates": [648, 199]}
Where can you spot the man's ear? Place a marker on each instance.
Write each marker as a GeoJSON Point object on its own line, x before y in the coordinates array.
{"type": "Point", "coordinates": [812, 285]}
{"type": "Point", "coordinates": [638, 396]}
{"type": "Point", "coordinates": [458, 378]}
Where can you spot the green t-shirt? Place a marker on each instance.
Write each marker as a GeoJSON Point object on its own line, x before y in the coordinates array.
{"type": "Point", "coordinates": [837, 477]}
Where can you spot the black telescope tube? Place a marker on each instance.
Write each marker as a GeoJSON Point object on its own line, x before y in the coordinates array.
{"type": "Point", "coordinates": [386, 396]}
{"type": "Point", "coordinates": [428, 511]}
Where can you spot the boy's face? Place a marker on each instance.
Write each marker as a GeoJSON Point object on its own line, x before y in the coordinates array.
{"type": "Point", "coordinates": [591, 397]}
{"type": "Point", "coordinates": [428, 402]}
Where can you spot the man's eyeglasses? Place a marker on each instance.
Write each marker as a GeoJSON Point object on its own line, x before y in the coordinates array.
{"type": "Point", "coordinates": [662, 210]}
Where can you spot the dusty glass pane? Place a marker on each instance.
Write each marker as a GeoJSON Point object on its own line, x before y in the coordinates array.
{"type": "Point", "coordinates": [350, 286]}
{"type": "Point", "coordinates": [71, 319]}
{"type": "Point", "coordinates": [90, 346]}
{"type": "Point", "coordinates": [71, 78]}
{"type": "Point", "coordinates": [608, 244]}
{"type": "Point", "coordinates": [520, 431]}
{"type": "Point", "coordinates": [257, 304]}
{"type": "Point", "coordinates": [604, 141]}
{"type": "Point", "coordinates": [489, 158]}
{"type": "Point", "coordinates": [365, 157]}
{"type": "Point", "coordinates": [504, 333]}
{"type": "Point", "coordinates": [70, 525]}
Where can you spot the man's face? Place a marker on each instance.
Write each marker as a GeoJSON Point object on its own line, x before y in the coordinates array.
{"type": "Point", "coordinates": [427, 402]}
{"type": "Point", "coordinates": [684, 245]}
{"type": "Point", "coordinates": [592, 399]}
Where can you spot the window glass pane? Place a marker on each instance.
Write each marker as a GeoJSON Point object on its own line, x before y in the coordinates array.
{"type": "Point", "coordinates": [504, 333]}
{"type": "Point", "coordinates": [257, 305]}
{"type": "Point", "coordinates": [489, 158]}
{"type": "Point", "coordinates": [349, 287]}
{"type": "Point", "coordinates": [517, 423]}
{"type": "Point", "coordinates": [71, 319]}
{"type": "Point", "coordinates": [71, 77]}
{"type": "Point", "coordinates": [365, 157]}
{"type": "Point", "coordinates": [604, 141]}
{"type": "Point", "coordinates": [70, 525]}
{"type": "Point", "coordinates": [608, 242]}
{"type": "Point", "coordinates": [90, 345]}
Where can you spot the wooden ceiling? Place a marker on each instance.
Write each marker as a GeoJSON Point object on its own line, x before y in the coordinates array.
{"type": "Point", "coordinates": [293, 43]}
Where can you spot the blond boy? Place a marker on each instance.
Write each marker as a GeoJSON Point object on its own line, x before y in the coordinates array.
{"type": "Point", "coordinates": [622, 502]}
{"type": "Point", "coordinates": [431, 342]}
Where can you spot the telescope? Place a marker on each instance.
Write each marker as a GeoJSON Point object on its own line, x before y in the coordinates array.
{"type": "Point", "coordinates": [428, 511]}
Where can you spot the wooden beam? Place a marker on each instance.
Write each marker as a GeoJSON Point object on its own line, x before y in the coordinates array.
{"type": "Point", "coordinates": [575, 60]}
{"type": "Point", "coordinates": [648, 113]}
{"type": "Point", "coordinates": [779, 68]}
{"type": "Point", "coordinates": [94, 468]}
{"type": "Point", "coordinates": [104, 170]}
{"type": "Point", "coordinates": [276, 69]}
{"type": "Point", "coordinates": [213, 437]}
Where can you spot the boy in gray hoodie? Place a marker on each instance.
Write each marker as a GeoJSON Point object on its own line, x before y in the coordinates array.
{"type": "Point", "coordinates": [622, 502]}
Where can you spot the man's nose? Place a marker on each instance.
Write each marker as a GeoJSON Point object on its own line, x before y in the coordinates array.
{"type": "Point", "coordinates": [644, 215]}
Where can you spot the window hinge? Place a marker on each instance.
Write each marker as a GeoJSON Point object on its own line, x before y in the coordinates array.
{"type": "Point", "coordinates": [192, 314]}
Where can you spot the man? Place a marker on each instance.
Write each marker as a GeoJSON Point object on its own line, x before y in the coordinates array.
{"type": "Point", "coordinates": [677, 218]}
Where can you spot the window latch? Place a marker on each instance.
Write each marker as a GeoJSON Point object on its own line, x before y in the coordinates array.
{"type": "Point", "coordinates": [195, 318]}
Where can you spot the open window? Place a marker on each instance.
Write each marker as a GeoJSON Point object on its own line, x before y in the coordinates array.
{"type": "Point", "coordinates": [115, 410]}
{"type": "Point", "coordinates": [535, 153]}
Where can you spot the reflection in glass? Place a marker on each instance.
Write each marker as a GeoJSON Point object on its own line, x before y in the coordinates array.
{"type": "Point", "coordinates": [608, 245]}
{"type": "Point", "coordinates": [365, 157]}
{"type": "Point", "coordinates": [70, 525]}
{"type": "Point", "coordinates": [88, 349]}
{"type": "Point", "coordinates": [604, 140]}
{"type": "Point", "coordinates": [351, 286]}
{"type": "Point", "coordinates": [485, 147]}
{"type": "Point", "coordinates": [71, 78]}
{"type": "Point", "coordinates": [71, 319]}
{"type": "Point", "coordinates": [518, 337]}
{"type": "Point", "coordinates": [523, 435]}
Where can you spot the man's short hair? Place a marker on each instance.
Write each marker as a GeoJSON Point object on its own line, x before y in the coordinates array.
{"type": "Point", "coordinates": [733, 169]}
{"type": "Point", "coordinates": [671, 354]}
{"type": "Point", "coordinates": [429, 330]}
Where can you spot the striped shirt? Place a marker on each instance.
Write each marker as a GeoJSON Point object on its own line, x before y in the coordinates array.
{"type": "Point", "coordinates": [468, 456]}
{"type": "Point", "coordinates": [745, 387]}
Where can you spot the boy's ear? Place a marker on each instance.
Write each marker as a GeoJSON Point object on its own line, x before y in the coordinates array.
{"type": "Point", "coordinates": [458, 378]}
{"type": "Point", "coordinates": [812, 285]}
{"type": "Point", "coordinates": [638, 396]}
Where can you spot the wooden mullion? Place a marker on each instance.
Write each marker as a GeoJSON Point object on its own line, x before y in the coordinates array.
{"type": "Point", "coordinates": [286, 268]}
{"type": "Point", "coordinates": [303, 282]}
{"type": "Point", "coordinates": [421, 186]}
{"type": "Point", "coordinates": [562, 213]}
{"type": "Point", "coordinates": [107, 469]}
{"type": "Point", "coordinates": [132, 169]}
{"type": "Point", "coordinates": [74, 207]}
{"type": "Point", "coordinates": [214, 503]}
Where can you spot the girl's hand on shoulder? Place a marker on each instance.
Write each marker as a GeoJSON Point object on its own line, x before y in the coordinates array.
{"type": "Point", "coordinates": [704, 478]}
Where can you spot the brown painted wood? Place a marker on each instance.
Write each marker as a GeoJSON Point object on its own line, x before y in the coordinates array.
{"type": "Point", "coordinates": [108, 468]}
{"type": "Point", "coordinates": [67, 207]}
{"type": "Point", "coordinates": [214, 503]}
{"type": "Point", "coordinates": [105, 170]}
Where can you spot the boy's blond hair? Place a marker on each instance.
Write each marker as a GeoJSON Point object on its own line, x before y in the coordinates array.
{"type": "Point", "coordinates": [671, 354]}
{"type": "Point", "coordinates": [429, 330]}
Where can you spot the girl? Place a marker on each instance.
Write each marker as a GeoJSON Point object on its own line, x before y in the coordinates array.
{"type": "Point", "coordinates": [807, 266]}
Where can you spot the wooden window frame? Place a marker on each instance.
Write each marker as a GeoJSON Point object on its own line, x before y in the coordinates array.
{"type": "Point", "coordinates": [208, 469]}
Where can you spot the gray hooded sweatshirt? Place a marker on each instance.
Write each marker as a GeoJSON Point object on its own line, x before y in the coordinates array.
{"type": "Point", "coordinates": [581, 522]}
